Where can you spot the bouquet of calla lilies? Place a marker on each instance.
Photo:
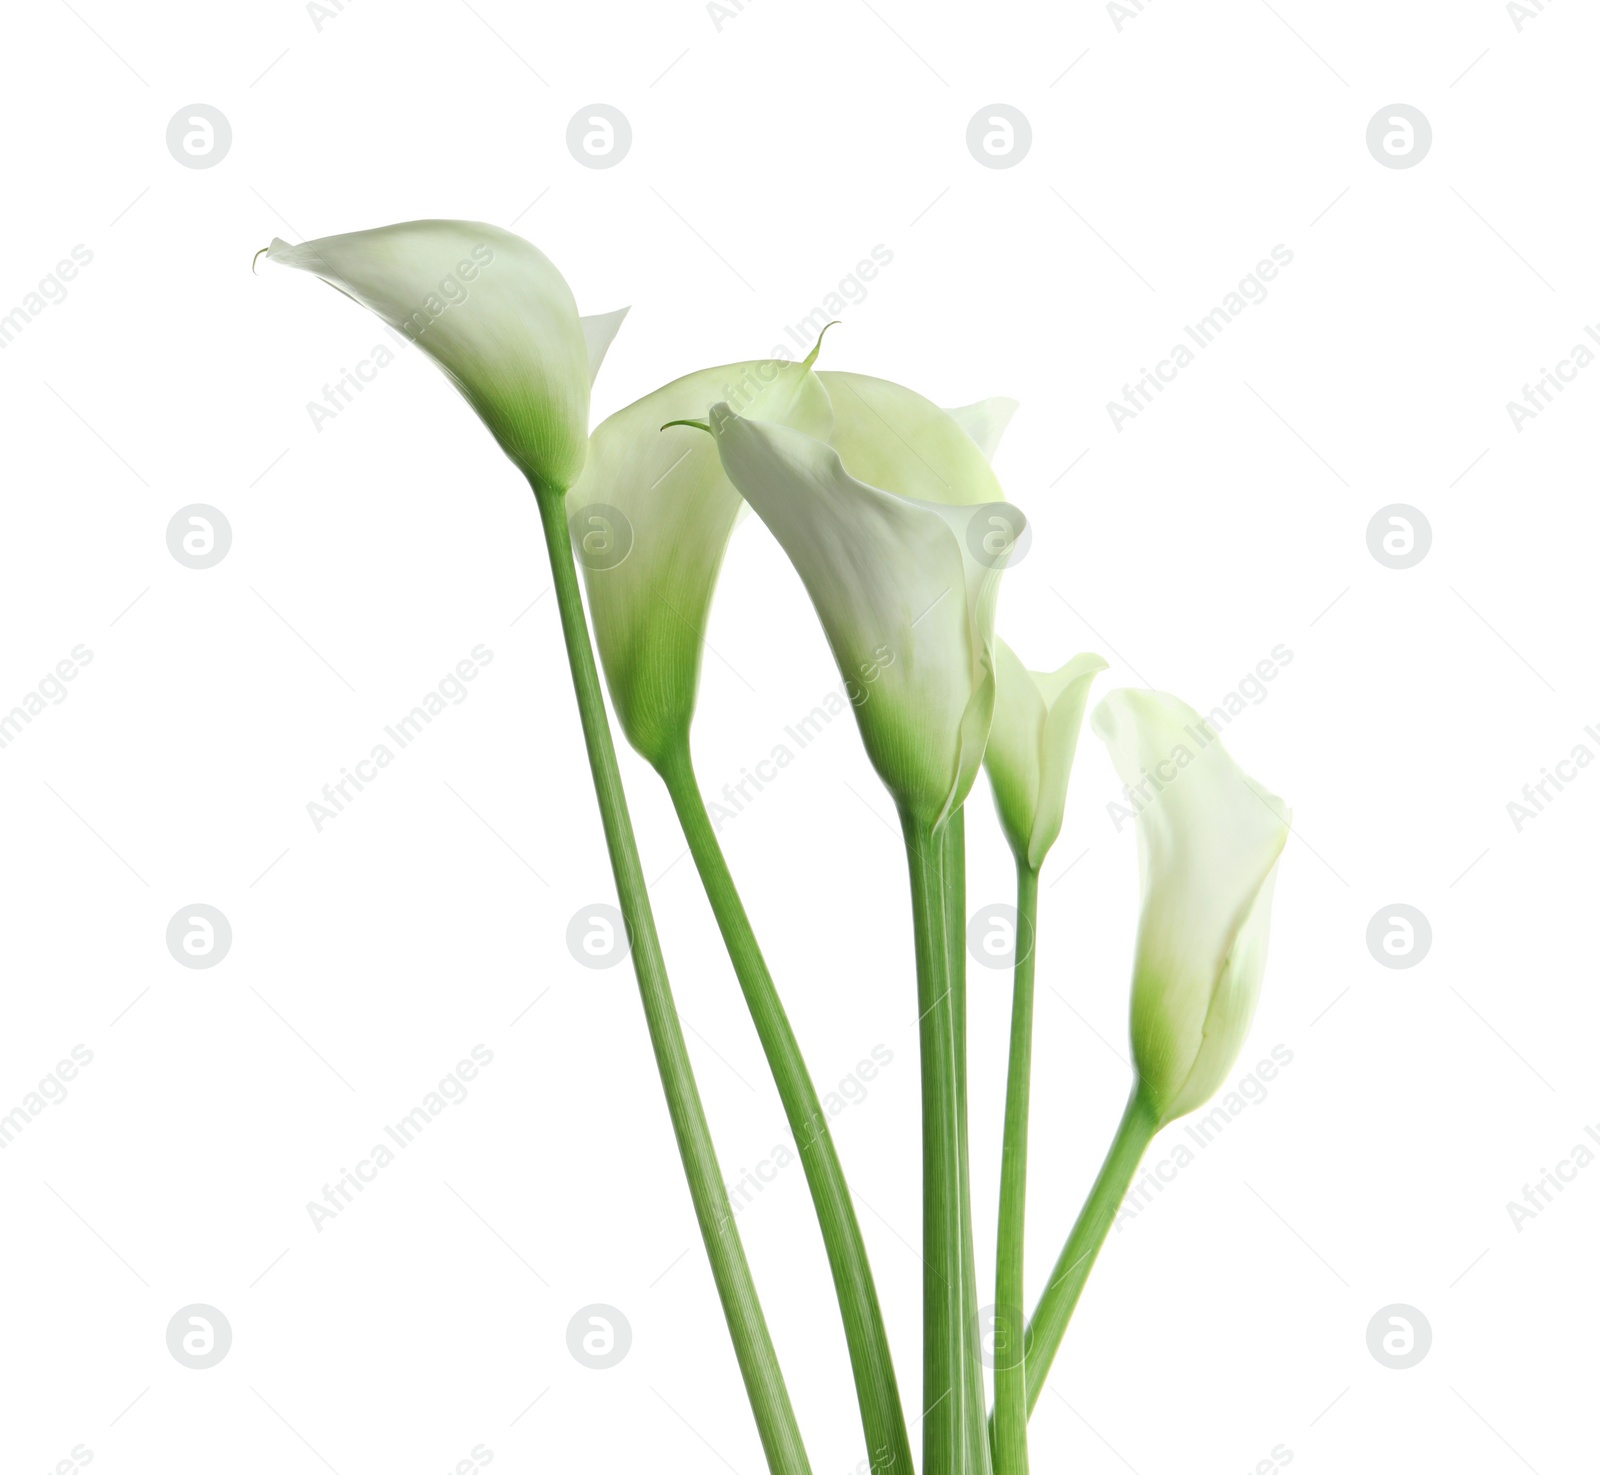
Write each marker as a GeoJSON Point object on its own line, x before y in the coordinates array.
{"type": "Point", "coordinates": [892, 516]}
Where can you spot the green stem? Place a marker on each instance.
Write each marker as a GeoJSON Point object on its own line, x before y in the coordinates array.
{"type": "Point", "coordinates": [1010, 1372]}
{"type": "Point", "coordinates": [953, 861]}
{"type": "Point", "coordinates": [1050, 1317]}
{"type": "Point", "coordinates": [943, 1342]}
{"type": "Point", "coordinates": [882, 1419]}
{"type": "Point", "coordinates": [752, 1343]}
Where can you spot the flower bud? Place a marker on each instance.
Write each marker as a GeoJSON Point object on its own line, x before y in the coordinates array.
{"type": "Point", "coordinates": [1209, 841]}
{"type": "Point", "coordinates": [1032, 742]}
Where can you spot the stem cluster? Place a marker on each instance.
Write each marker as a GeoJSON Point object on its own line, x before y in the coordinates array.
{"type": "Point", "coordinates": [955, 1441]}
{"type": "Point", "coordinates": [958, 1438]}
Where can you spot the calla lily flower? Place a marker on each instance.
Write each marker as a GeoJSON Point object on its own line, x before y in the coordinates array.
{"type": "Point", "coordinates": [1032, 743]}
{"type": "Point", "coordinates": [1209, 841]}
{"type": "Point", "coordinates": [677, 510]}
{"type": "Point", "coordinates": [493, 312]}
{"type": "Point", "coordinates": [906, 604]}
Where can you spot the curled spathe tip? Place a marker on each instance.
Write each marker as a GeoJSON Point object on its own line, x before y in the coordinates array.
{"type": "Point", "coordinates": [816, 347]}
{"type": "Point", "coordinates": [697, 424]}
{"type": "Point", "coordinates": [257, 257]}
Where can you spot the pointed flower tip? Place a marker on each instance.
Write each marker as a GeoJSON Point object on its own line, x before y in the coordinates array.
{"type": "Point", "coordinates": [816, 347]}
{"type": "Point", "coordinates": [286, 253]}
{"type": "Point", "coordinates": [986, 421]}
{"type": "Point", "coordinates": [697, 424]}
{"type": "Point", "coordinates": [1090, 663]}
{"type": "Point", "coordinates": [598, 331]}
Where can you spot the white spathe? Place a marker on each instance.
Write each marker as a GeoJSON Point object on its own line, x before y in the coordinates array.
{"type": "Point", "coordinates": [1209, 841]}
{"type": "Point", "coordinates": [678, 510]}
{"type": "Point", "coordinates": [906, 606]}
{"type": "Point", "coordinates": [891, 437]}
{"type": "Point", "coordinates": [493, 312]}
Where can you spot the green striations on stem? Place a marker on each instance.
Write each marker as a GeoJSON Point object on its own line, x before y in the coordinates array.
{"type": "Point", "coordinates": [944, 1374]}
{"type": "Point", "coordinates": [1049, 1324]}
{"type": "Point", "coordinates": [1010, 1426]}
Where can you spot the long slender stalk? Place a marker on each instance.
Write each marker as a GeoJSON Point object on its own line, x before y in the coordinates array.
{"type": "Point", "coordinates": [752, 1342]}
{"type": "Point", "coordinates": [1054, 1311]}
{"type": "Point", "coordinates": [1010, 1361]}
{"type": "Point", "coordinates": [882, 1418]}
{"type": "Point", "coordinates": [944, 1450]}
{"type": "Point", "coordinates": [953, 862]}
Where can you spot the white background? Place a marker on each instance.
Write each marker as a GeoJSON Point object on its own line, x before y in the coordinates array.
{"type": "Point", "coordinates": [768, 157]}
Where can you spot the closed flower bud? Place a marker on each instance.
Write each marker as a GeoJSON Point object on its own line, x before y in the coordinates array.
{"type": "Point", "coordinates": [1032, 742]}
{"type": "Point", "coordinates": [1209, 841]}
